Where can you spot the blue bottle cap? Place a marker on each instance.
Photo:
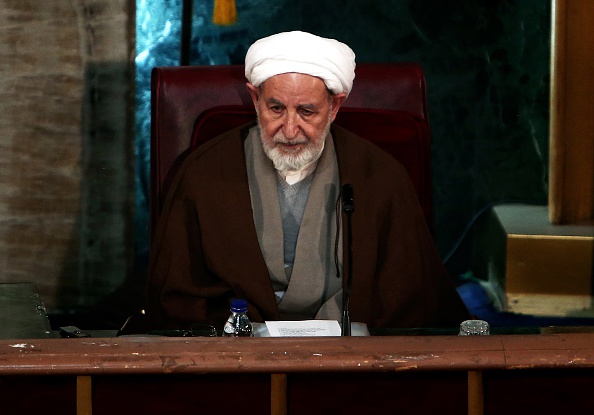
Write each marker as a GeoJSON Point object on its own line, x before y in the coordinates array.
{"type": "Point", "coordinates": [239, 305]}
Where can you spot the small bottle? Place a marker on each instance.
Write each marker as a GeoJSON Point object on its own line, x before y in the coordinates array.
{"type": "Point", "coordinates": [238, 324]}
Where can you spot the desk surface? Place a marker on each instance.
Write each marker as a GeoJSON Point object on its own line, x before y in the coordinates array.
{"type": "Point", "coordinates": [160, 355]}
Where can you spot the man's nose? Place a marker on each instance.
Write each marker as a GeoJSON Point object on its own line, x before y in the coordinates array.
{"type": "Point", "coordinates": [291, 126]}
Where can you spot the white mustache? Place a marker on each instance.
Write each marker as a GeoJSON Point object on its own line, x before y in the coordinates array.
{"type": "Point", "coordinates": [279, 139]}
{"type": "Point", "coordinates": [290, 143]}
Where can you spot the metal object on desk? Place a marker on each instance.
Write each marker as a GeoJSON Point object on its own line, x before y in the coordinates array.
{"type": "Point", "coordinates": [474, 328]}
{"type": "Point", "coordinates": [73, 331]}
{"type": "Point", "coordinates": [22, 313]}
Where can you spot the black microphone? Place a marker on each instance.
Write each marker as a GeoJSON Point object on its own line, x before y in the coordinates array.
{"type": "Point", "coordinates": [348, 207]}
{"type": "Point", "coordinates": [348, 199]}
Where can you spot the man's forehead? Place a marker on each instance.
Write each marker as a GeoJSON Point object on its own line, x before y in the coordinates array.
{"type": "Point", "coordinates": [295, 78]}
{"type": "Point", "coordinates": [300, 87]}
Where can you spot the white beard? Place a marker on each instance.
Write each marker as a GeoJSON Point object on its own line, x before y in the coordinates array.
{"type": "Point", "coordinates": [310, 153]}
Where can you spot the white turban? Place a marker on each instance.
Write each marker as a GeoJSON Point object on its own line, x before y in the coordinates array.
{"type": "Point", "coordinates": [300, 52]}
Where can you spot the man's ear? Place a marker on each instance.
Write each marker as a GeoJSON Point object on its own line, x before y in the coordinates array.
{"type": "Point", "coordinates": [254, 93]}
{"type": "Point", "coordinates": [337, 100]}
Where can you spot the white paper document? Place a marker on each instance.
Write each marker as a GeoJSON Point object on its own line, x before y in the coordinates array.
{"type": "Point", "coordinates": [303, 328]}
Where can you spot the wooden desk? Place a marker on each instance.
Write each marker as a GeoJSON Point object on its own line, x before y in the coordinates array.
{"type": "Point", "coordinates": [515, 374]}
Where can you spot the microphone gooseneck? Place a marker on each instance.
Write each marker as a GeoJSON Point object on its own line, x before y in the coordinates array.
{"type": "Point", "coordinates": [348, 207]}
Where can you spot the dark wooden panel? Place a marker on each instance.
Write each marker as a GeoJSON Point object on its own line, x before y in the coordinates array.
{"type": "Point", "coordinates": [378, 393]}
{"type": "Point", "coordinates": [539, 391]}
{"type": "Point", "coordinates": [47, 395]}
{"type": "Point", "coordinates": [210, 394]}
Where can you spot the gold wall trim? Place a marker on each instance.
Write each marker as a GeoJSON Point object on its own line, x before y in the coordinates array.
{"type": "Point", "coordinates": [571, 136]}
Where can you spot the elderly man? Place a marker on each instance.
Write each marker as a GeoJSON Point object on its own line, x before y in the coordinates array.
{"type": "Point", "coordinates": [253, 213]}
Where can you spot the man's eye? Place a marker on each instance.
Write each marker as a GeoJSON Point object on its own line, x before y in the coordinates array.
{"type": "Point", "coordinates": [276, 108]}
{"type": "Point", "coordinates": [306, 113]}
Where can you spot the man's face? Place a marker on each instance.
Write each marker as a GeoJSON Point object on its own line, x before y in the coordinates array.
{"type": "Point", "coordinates": [294, 113]}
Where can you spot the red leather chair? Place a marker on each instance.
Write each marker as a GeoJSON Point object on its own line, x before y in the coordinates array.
{"type": "Point", "coordinates": [192, 104]}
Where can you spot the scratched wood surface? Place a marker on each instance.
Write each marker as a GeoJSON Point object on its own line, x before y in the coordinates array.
{"type": "Point", "coordinates": [156, 355]}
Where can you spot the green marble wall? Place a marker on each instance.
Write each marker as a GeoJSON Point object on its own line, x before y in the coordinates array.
{"type": "Point", "coordinates": [487, 69]}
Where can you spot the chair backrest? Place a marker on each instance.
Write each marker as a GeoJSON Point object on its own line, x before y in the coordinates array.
{"type": "Point", "coordinates": [192, 104]}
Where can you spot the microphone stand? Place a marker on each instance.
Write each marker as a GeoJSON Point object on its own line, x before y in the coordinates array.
{"type": "Point", "coordinates": [348, 208]}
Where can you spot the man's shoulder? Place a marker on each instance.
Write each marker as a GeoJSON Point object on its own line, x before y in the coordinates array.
{"type": "Point", "coordinates": [221, 148]}
{"type": "Point", "coordinates": [349, 144]}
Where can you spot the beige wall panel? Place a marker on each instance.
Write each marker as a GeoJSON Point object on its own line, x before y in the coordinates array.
{"type": "Point", "coordinates": [65, 158]}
